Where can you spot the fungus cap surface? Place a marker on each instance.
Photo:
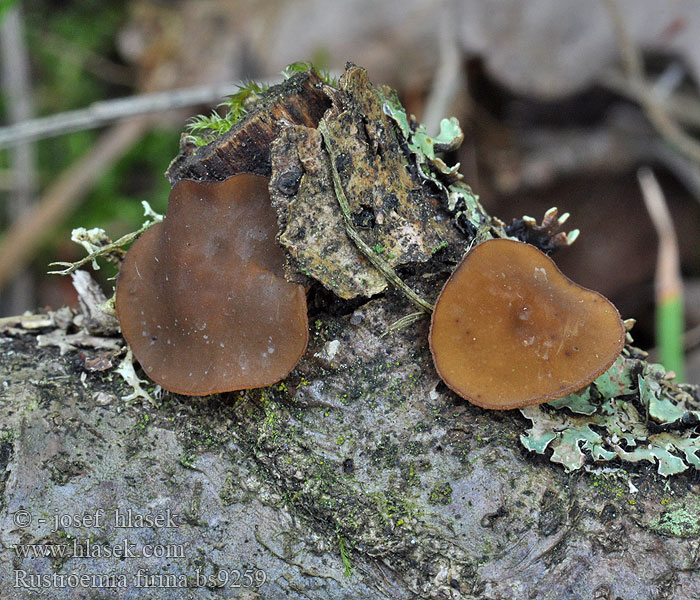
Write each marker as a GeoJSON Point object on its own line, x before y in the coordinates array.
{"type": "Point", "coordinates": [511, 330]}
{"type": "Point", "coordinates": [202, 298]}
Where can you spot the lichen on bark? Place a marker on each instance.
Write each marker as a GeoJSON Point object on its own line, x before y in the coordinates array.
{"type": "Point", "coordinates": [397, 217]}
{"type": "Point", "coordinates": [360, 475]}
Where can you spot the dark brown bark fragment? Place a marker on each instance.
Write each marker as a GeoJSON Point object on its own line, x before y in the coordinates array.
{"type": "Point", "coordinates": [246, 147]}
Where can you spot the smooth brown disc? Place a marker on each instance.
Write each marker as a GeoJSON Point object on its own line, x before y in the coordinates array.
{"type": "Point", "coordinates": [510, 330]}
{"type": "Point", "coordinates": [202, 298]}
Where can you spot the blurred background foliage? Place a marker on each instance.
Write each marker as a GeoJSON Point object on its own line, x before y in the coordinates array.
{"type": "Point", "coordinates": [552, 116]}
{"type": "Point", "coordinates": [74, 62]}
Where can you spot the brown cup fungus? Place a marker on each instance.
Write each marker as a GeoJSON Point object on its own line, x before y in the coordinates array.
{"type": "Point", "coordinates": [511, 330]}
{"type": "Point", "coordinates": [201, 297]}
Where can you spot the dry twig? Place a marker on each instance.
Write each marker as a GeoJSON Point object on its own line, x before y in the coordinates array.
{"type": "Point", "coordinates": [668, 280]}
{"type": "Point", "coordinates": [683, 107]}
{"type": "Point", "coordinates": [19, 243]}
{"type": "Point", "coordinates": [448, 80]}
{"type": "Point", "coordinates": [652, 105]}
{"type": "Point", "coordinates": [668, 270]}
{"type": "Point", "coordinates": [103, 113]}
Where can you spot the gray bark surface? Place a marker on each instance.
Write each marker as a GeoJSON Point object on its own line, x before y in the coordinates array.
{"type": "Point", "coordinates": [360, 476]}
{"type": "Point", "coordinates": [426, 495]}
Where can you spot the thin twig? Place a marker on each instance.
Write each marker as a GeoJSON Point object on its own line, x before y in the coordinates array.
{"type": "Point", "coordinates": [20, 107]}
{"type": "Point", "coordinates": [668, 281]}
{"type": "Point", "coordinates": [108, 111]}
{"type": "Point", "coordinates": [448, 81]}
{"type": "Point", "coordinates": [106, 249]}
{"type": "Point", "coordinates": [404, 322]}
{"type": "Point", "coordinates": [20, 242]}
{"type": "Point", "coordinates": [683, 107]}
{"type": "Point", "coordinates": [653, 107]}
{"type": "Point", "coordinates": [668, 271]}
{"type": "Point", "coordinates": [378, 263]}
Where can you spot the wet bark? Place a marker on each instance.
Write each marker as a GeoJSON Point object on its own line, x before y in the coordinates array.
{"type": "Point", "coordinates": [246, 147]}
{"type": "Point", "coordinates": [359, 476]}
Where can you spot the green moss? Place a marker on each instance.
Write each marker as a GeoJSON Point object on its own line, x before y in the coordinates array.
{"type": "Point", "coordinates": [8, 436]}
{"type": "Point", "coordinates": [301, 66]}
{"type": "Point", "coordinates": [409, 473]}
{"type": "Point", "coordinates": [683, 521]}
{"type": "Point", "coordinates": [187, 460]}
{"type": "Point", "coordinates": [612, 486]}
{"type": "Point", "coordinates": [344, 555]}
{"type": "Point", "coordinates": [440, 246]}
{"type": "Point", "coordinates": [204, 129]}
{"type": "Point", "coordinates": [441, 493]}
{"type": "Point", "coordinates": [271, 419]}
{"type": "Point", "coordinates": [392, 508]}
{"type": "Point", "coordinates": [414, 447]}
{"type": "Point", "coordinates": [386, 452]}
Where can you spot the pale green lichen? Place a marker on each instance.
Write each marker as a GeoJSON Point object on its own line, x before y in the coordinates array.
{"type": "Point", "coordinates": [679, 520]}
{"type": "Point", "coordinates": [99, 245]}
{"type": "Point", "coordinates": [459, 197]}
{"type": "Point", "coordinates": [624, 415]}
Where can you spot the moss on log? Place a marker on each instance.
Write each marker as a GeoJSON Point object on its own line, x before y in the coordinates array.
{"type": "Point", "coordinates": [358, 476]}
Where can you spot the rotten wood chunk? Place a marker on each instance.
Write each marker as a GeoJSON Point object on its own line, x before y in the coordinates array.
{"type": "Point", "coordinates": [246, 147]}
{"type": "Point", "coordinates": [392, 211]}
{"type": "Point", "coordinates": [311, 225]}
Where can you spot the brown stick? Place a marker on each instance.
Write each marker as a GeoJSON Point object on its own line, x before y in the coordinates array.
{"type": "Point", "coordinates": [667, 127]}
{"type": "Point", "coordinates": [20, 242]}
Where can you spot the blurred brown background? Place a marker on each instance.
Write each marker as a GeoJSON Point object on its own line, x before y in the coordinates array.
{"type": "Point", "coordinates": [552, 114]}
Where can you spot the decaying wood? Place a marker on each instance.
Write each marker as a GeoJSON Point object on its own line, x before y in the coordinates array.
{"type": "Point", "coordinates": [393, 211]}
{"type": "Point", "coordinates": [246, 148]}
{"type": "Point", "coordinates": [359, 476]}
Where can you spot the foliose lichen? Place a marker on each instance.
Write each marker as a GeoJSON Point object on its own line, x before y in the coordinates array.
{"type": "Point", "coordinates": [460, 199]}
{"type": "Point", "coordinates": [633, 412]}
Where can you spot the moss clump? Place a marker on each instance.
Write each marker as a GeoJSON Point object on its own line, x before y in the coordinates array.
{"type": "Point", "coordinates": [681, 522]}
{"type": "Point", "coordinates": [344, 555]}
{"type": "Point", "coordinates": [301, 66]}
{"type": "Point", "coordinates": [204, 129]}
{"type": "Point", "coordinates": [441, 494]}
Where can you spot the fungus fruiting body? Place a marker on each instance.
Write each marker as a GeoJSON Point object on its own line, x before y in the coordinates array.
{"type": "Point", "coordinates": [511, 330]}
{"type": "Point", "coordinates": [202, 298]}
